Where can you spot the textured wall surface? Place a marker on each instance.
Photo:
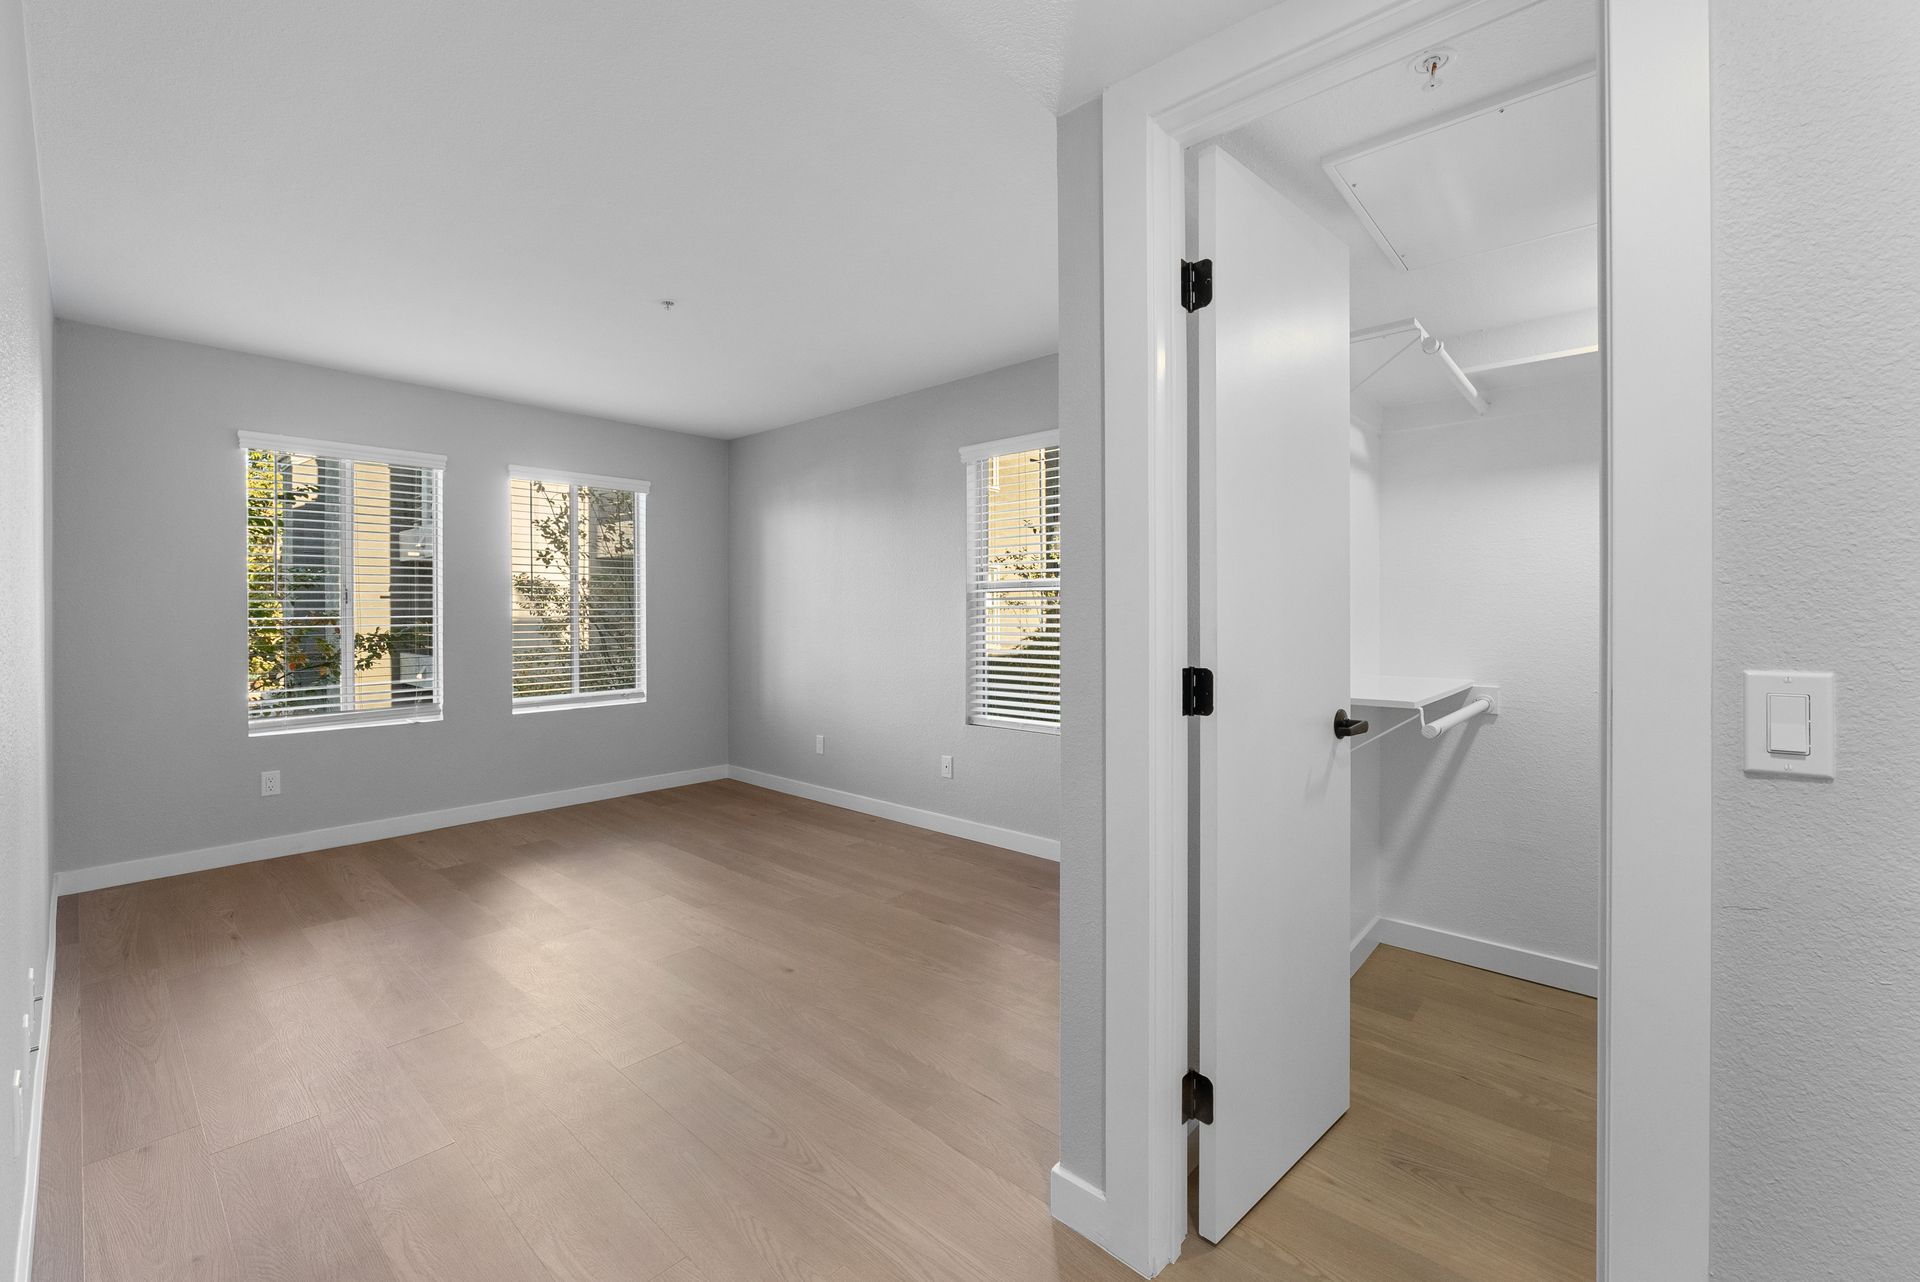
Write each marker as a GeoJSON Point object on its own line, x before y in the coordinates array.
{"type": "Point", "coordinates": [26, 342]}
{"type": "Point", "coordinates": [1490, 569]}
{"type": "Point", "coordinates": [152, 754]}
{"type": "Point", "coordinates": [849, 619]}
{"type": "Point", "coordinates": [1816, 938]}
{"type": "Point", "coordinates": [1083, 794]}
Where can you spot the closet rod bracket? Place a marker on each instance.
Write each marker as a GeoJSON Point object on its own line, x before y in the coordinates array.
{"type": "Point", "coordinates": [1482, 701]}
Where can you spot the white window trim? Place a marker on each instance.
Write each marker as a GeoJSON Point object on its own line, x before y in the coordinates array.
{"type": "Point", "coordinates": [596, 698]}
{"type": "Point", "coordinates": [1011, 445]}
{"type": "Point", "coordinates": [559, 702]}
{"type": "Point", "coordinates": [343, 721]}
{"type": "Point", "coordinates": [419, 714]}
{"type": "Point", "coordinates": [969, 455]}
{"type": "Point", "coordinates": [516, 472]}
{"type": "Point", "coordinates": [341, 450]}
{"type": "Point", "coordinates": [1001, 723]}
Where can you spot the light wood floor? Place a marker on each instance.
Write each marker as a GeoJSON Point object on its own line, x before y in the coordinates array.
{"type": "Point", "coordinates": [715, 1033]}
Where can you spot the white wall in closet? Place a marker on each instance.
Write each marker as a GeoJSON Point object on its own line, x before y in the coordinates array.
{"type": "Point", "coordinates": [1489, 568]}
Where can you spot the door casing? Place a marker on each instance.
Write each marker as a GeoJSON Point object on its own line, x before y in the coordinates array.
{"type": "Point", "coordinates": [1656, 578]}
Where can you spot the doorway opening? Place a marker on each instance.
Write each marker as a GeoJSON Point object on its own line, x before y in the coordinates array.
{"type": "Point", "coordinates": [1397, 454]}
{"type": "Point", "coordinates": [1655, 733]}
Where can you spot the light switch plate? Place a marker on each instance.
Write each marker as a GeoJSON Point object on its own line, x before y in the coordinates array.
{"type": "Point", "coordinates": [1790, 724]}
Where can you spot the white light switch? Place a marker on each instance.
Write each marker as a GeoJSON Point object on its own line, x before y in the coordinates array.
{"type": "Point", "coordinates": [1790, 724]}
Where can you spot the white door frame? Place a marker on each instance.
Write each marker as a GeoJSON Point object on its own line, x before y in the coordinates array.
{"type": "Point", "coordinates": [1655, 915]}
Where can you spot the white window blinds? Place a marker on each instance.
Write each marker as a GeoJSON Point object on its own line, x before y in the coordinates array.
{"type": "Point", "coordinates": [1013, 582]}
{"type": "Point", "coordinates": [343, 584]}
{"type": "Point", "coordinates": [579, 589]}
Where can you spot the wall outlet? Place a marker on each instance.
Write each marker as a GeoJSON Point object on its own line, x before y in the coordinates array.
{"type": "Point", "coordinates": [269, 783]}
{"type": "Point", "coordinates": [819, 743]}
{"type": "Point", "coordinates": [946, 767]}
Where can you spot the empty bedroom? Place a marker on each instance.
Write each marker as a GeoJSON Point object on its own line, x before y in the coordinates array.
{"type": "Point", "coordinates": [956, 639]}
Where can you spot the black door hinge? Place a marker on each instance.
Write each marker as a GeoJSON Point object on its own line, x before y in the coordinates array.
{"type": "Point", "coordinates": [1196, 692]}
{"type": "Point", "coordinates": [1196, 284]}
{"type": "Point", "coordinates": [1196, 1098]}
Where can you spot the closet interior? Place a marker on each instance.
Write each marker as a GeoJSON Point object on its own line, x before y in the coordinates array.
{"type": "Point", "coordinates": [1464, 183]}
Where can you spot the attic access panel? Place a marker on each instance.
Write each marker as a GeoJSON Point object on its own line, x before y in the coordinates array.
{"type": "Point", "coordinates": [1498, 174]}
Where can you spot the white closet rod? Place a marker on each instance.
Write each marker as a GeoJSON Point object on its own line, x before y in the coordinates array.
{"type": "Point", "coordinates": [1435, 729]}
{"type": "Point", "coordinates": [1433, 347]}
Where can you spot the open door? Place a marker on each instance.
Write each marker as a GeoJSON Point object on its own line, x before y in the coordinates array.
{"type": "Point", "coordinates": [1274, 781]}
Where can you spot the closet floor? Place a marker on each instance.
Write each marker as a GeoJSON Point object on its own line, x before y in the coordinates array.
{"type": "Point", "coordinates": [1467, 1154]}
{"type": "Point", "coordinates": [712, 1033]}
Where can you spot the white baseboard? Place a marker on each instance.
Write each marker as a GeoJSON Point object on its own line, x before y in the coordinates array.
{"type": "Point", "coordinates": [1503, 959]}
{"type": "Point", "coordinates": [74, 880]}
{"type": "Point", "coordinates": [1362, 948]}
{"type": "Point", "coordinates": [1079, 1205]}
{"type": "Point", "coordinates": [37, 1109]}
{"type": "Point", "coordinates": [1025, 843]}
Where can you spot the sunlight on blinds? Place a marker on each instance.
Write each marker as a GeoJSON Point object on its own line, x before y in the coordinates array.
{"type": "Point", "coordinates": [342, 586]}
{"type": "Point", "coordinates": [1013, 625]}
{"type": "Point", "coordinates": [579, 580]}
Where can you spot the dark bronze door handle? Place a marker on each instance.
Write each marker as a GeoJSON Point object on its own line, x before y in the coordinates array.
{"type": "Point", "coordinates": [1345, 727]}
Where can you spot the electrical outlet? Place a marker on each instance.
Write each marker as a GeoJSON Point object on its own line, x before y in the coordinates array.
{"type": "Point", "coordinates": [946, 767]}
{"type": "Point", "coordinates": [269, 783]}
{"type": "Point", "coordinates": [819, 743]}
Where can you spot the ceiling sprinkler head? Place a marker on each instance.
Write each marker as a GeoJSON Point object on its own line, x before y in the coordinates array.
{"type": "Point", "coordinates": [1427, 66]}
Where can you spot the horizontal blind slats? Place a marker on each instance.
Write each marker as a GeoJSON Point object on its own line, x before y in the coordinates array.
{"type": "Point", "coordinates": [578, 599]}
{"type": "Point", "coordinates": [1013, 627]}
{"type": "Point", "coordinates": [342, 589]}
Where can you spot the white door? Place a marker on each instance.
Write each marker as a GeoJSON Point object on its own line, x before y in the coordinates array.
{"type": "Point", "coordinates": [1273, 626]}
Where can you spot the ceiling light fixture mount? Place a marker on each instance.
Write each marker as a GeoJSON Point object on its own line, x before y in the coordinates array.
{"type": "Point", "coordinates": [1427, 66]}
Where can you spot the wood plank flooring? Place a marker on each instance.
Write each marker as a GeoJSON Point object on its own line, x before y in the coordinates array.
{"type": "Point", "coordinates": [708, 1035]}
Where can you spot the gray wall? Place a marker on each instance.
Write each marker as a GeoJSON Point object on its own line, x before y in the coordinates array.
{"type": "Point", "coordinates": [1083, 828]}
{"type": "Point", "coordinates": [849, 604]}
{"type": "Point", "coordinates": [151, 750]}
{"type": "Point", "coordinates": [1816, 958]}
{"type": "Point", "coordinates": [26, 335]}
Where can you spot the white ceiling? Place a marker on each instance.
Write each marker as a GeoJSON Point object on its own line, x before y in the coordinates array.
{"type": "Point", "coordinates": [1500, 290]}
{"type": "Point", "coordinates": [847, 201]}
{"type": "Point", "coordinates": [1065, 52]}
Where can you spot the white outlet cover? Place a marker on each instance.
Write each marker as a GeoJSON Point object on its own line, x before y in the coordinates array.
{"type": "Point", "coordinates": [1805, 758]}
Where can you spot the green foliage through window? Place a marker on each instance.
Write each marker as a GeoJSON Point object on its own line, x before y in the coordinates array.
{"type": "Point", "coordinates": [576, 589]}
{"type": "Point", "coordinates": [316, 528]}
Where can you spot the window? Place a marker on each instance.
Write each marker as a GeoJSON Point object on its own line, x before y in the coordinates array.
{"type": "Point", "coordinates": [579, 590]}
{"type": "Point", "coordinates": [1013, 582]}
{"type": "Point", "coordinates": [343, 584]}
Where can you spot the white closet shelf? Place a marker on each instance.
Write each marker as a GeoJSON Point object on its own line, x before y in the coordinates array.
{"type": "Point", "coordinates": [1406, 692]}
